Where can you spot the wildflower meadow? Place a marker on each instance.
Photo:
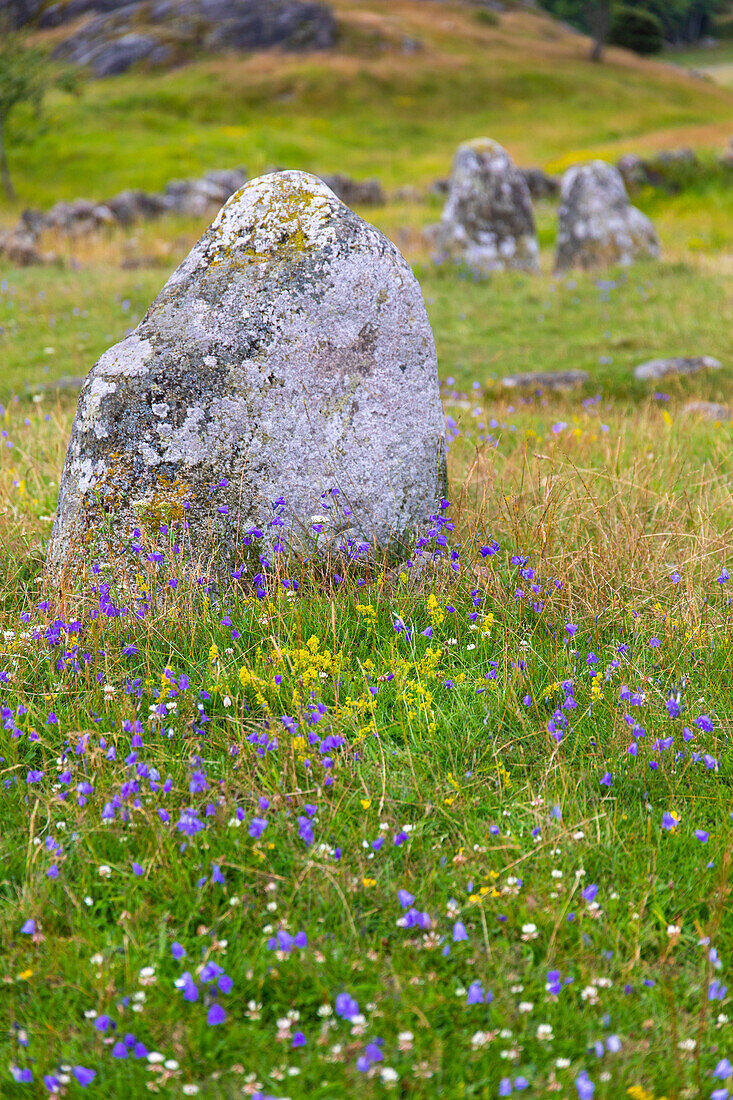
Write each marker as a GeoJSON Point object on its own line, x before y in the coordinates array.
{"type": "Point", "coordinates": [454, 822]}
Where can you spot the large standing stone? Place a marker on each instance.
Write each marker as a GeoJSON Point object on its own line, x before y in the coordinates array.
{"type": "Point", "coordinates": [288, 358]}
{"type": "Point", "coordinates": [488, 221]}
{"type": "Point", "coordinates": [598, 226]}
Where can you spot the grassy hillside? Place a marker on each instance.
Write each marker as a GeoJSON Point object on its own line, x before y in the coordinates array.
{"type": "Point", "coordinates": [375, 105]}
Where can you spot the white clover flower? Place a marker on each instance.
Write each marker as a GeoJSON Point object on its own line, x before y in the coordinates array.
{"type": "Point", "coordinates": [525, 1007]}
{"type": "Point", "coordinates": [189, 1090]}
{"type": "Point", "coordinates": [156, 1058]}
{"type": "Point", "coordinates": [104, 870]}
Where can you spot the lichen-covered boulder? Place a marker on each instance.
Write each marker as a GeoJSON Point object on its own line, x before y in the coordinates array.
{"type": "Point", "coordinates": [598, 226]}
{"type": "Point", "coordinates": [487, 221]}
{"type": "Point", "coordinates": [284, 379]}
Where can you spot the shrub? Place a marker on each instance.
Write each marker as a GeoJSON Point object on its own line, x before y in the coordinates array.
{"type": "Point", "coordinates": [636, 30]}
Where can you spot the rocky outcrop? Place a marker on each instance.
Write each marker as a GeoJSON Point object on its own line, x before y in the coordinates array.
{"type": "Point", "coordinates": [487, 222]}
{"type": "Point", "coordinates": [280, 394]}
{"type": "Point", "coordinates": [598, 227]}
{"type": "Point", "coordinates": [160, 31]}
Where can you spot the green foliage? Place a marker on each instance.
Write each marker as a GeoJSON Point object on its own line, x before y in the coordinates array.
{"type": "Point", "coordinates": [681, 20]}
{"type": "Point", "coordinates": [487, 17]}
{"type": "Point", "coordinates": [25, 79]}
{"type": "Point", "coordinates": [22, 80]}
{"type": "Point", "coordinates": [637, 30]}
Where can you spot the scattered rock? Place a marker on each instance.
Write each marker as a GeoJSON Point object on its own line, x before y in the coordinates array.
{"type": "Point", "coordinates": [136, 205]}
{"type": "Point", "coordinates": [677, 156]}
{"type": "Point", "coordinates": [598, 226]}
{"type": "Point", "coordinates": [356, 192]}
{"type": "Point", "coordinates": [541, 186]}
{"type": "Point", "coordinates": [633, 171]}
{"type": "Point", "coordinates": [546, 380]}
{"type": "Point", "coordinates": [58, 385]}
{"type": "Point", "coordinates": [488, 221]}
{"type": "Point", "coordinates": [663, 368]}
{"type": "Point", "coordinates": [708, 410]}
{"type": "Point", "coordinates": [19, 247]}
{"type": "Point", "coordinates": [195, 197]}
{"type": "Point", "coordinates": [408, 194]}
{"type": "Point", "coordinates": [439, 187]}
{"type": "Point", "coordinates": [160, 31]}
{"type": "Point", "coordinates": [284, 379]}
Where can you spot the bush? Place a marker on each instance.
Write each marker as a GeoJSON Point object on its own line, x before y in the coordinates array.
{"type": "Point", "coordinates": [636, 30]}
{"type": "Point", "coordinates": [487, 17]}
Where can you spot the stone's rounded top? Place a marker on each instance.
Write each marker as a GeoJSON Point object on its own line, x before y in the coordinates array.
{"type": "Point", "coordinates": [589, 184]}
{"type": "Point", "coordinates": [484, 146]}
{"type": "Point", "coordinates": [272, 208]}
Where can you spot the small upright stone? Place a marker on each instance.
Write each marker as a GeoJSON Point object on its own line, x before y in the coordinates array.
{"type": "Point", "coordinates": [598, 226]}
{"type": "Point", "coordinates": [487, 222]}
{"type": "Point", "coordinates": [281, 393]}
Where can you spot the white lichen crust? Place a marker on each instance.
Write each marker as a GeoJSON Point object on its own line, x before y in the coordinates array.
{"type": "Point", "coordinates": [289, 356]}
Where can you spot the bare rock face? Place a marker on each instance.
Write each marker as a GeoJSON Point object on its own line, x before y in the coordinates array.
{"type": "Point", "coordinates": [284, 379]}
{"type": "Point", "coordinates": [488, 221]}
{"type": "Point", "coordinates": [123, 33]}
{"type": "Point", "coordinates": [655, 369]}
{"type": "Point", "coordinates": [598, 226]}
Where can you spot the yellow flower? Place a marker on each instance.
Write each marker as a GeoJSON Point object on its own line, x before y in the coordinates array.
{"type": "Point", "coordinates": [435, 611]}
{"type": "Point", "coordinates": [369, 882]}
{"type": "Point", "coordinates": [366, 803]}
{"type": "Point", "coordinates": [214, 652]}
{"type": "Point", "coordinates": [25, 975]}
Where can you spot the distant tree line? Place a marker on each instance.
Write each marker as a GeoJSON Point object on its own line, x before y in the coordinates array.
{"type": "Point", "coordinates": [642, 22]}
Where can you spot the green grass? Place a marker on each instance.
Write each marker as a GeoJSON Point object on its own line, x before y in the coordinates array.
{"type": "Point", "coordinates": [526, 82]}
{"type": "Point", "coordinates": [489, 821]}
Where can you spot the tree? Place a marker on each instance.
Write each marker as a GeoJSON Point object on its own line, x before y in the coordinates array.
{"type": "Point", "coordinates": [636, 29]}
{"type": "Point", "coordinates": [24, 78]}
{"type": "Point", "coordinates": [599, 22]}
{"type": "Point", "coordinates": [682, 21]}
